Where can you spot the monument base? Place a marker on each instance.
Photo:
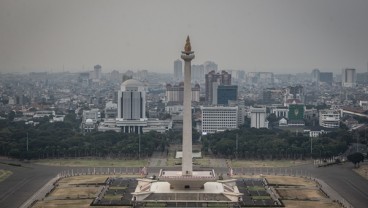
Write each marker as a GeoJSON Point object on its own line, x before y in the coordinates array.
{"type": "Point", "coordinates": [178, 181]}
{"type": "Point", "coordinates": [200, 187]}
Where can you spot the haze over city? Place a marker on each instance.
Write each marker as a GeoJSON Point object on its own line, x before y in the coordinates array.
{"type": "Point", "coordinates": [277, 36]}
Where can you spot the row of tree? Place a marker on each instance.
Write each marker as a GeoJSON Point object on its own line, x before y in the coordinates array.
{"type": "Point", "coordinates": [273, 144]}
{"type": "Point", "coordinates": [63, 139]}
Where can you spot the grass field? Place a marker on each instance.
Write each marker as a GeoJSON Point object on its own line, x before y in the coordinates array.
{"type": "Point", "coordinates": [289, 180]}
{"type": "Point", "coordinates": [266, 163]}
{"type": "Point", "coordinates": [74, 192]}
{"type": "Point", "coordinates": [301, 194]}
{"type": "Point", "coordinates": [92, 162]}
{"type": "Point", "coordinates": [72, 203]}
{"type": "Point", "coordinates": [91, 179]}
{"type": "Point", "coordinates": [309, 204]}
{"type": "Point", "coordinates": [4, 174]}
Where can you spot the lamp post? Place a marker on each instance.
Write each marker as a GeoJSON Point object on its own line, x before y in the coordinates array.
{"type": "Point", "coordinates": [139, 146]}
{"type": "Point", "coordinates": [27, 141]}
{"type": "Point", "coordinates": [311, 147]}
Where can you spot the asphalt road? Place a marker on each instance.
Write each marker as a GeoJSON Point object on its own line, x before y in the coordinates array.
{"type": "Point", "coordinates": [346, 182]}
{"type": "Point", "coordinates": [23, 183]}
{"type": "Point", "coordinates": [29, 178]}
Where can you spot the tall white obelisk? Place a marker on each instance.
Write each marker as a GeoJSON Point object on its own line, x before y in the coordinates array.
{"type": "Point", "coordinates": [187, 55]}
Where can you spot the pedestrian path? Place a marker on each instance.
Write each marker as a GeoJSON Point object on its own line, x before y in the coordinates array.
{"type": "Point", "coordinates": [158, 159]}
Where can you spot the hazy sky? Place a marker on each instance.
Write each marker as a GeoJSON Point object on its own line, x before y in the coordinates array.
{"type": "Point", "coordinates": [257, 35]}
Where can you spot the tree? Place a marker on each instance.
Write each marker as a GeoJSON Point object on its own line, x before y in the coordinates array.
{"type": "Point", "coordinates": [11, 115]}
{"type": "Point", "coordinates": [356, 158]}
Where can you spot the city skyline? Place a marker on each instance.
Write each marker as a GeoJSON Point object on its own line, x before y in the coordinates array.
{"type": "Point", "coordinates": [278, 36]}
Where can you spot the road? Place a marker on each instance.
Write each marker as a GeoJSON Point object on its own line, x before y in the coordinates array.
{"type": "Point", "coordinates": [346, 182]}
{"type": "Point", "coordinates": [29, 178]}
{"type": "Point", "coordinates": [24, 182]}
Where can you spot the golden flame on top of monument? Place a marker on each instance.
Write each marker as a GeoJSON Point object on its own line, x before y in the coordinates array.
{"type": "Point", "coordinates": [188, 47]}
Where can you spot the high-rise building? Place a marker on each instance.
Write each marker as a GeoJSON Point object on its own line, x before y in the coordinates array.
{"type": "Point", "coordinates": [210, 66]}
{"type": "Point", "coordinates": [132, 107]}
{"type": "Point", "coordinates": [142, 75]}
{"type": "Point", "coordinates": [326, 77]}
{"type": "Point", "coordinates": [198, 73]}
{"type": "Point", "coordinates": [315, 75]}
{"type": "Point", "coordinates": [97, 72]}
{"type": "Point", "coordinates": [178, 70]}
{"type": "Point", "coordinates": [132, 100]}
{"type": "Point", "coordinates": [219, 118]}
{"type": "Point", "coordinates": [196, 91]}
{"type": "Point", "coordinates": [225, 93]}
{"type": "Point", "coordinates": [175, 93]}
{"type": "Point", "coordinates": [258, 118]}
{"type": "Point", "coordinates": [215, 79]}
{"type": "Point", "coordinates": [263, 78]}
{"type": "Point", "coordinates": [348, 77]}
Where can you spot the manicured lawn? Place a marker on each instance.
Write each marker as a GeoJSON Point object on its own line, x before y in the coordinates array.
{"type": "Point", "coordinates": [266, 163]}
{"type": "Point", "coordinates": [93, 162]}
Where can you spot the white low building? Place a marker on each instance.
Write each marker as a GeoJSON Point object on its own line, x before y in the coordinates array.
{"type": "Point", "coordinates": [329, 118]}
{"type": "Point", "coordinates": [219, 118]}
{"type": "Point", "coordinates": [135, 126]}
{"type": "Point", "coordinates": [258, 118]}
{"type": "Point", "coordinates": [280, 112]}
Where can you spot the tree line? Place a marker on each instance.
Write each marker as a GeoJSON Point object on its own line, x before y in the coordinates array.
{"type": "Point", "coordinates": [273, 144]}
{"type": "Point", "coordinates": [63, 139]}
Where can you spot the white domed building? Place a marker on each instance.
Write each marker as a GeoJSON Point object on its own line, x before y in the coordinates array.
{"type": "Point", "coordinates": [89, 125]}
{"type": "Point", "coordinates": [132, 107]}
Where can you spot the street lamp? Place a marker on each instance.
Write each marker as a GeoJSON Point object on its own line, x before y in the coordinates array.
{"type": "Point", "coordinates": [311, 147]}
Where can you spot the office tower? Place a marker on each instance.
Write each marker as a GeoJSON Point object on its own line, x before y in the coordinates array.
{"type": "Point", "coordinates": [131, 100]}
{"type": "Point", "coordinates": [175, 93]}
{"type": "Point", "coordinates": [348, 77]}
{"type": "Point", "coordinates": [198, 73]}
{"type": "Point", "coordinates": [226, 93]}
{"type": "Point", "coordinates": [218, 119]}
{"type": "Point", "coordinates": [326, 77]}
{"type": "Point", "coordinates": [215, 79]}
{"type": "Point", "coordinates": [97, 72]}
{"type": "Point", "coordinates": [315, 75]}
{"type": "Point", "coordinates": [210, 66]}
{"type": "Point", "coordinates": [178, 70]}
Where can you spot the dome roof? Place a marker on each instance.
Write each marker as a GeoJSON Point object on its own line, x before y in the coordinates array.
{"type": "Point", "coordinates": [132, 83]}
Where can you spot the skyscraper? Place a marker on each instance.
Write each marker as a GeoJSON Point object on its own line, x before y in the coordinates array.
{"type": "Point", "coordinates": [326, 77]}
{"type": "Point", "coordinates": [97, 72]}
{"type": "Point", "coordinates": [198, 73]}
{"type": "Point", "coordinates": [132, 107]}
{"type": "Point", "coordinates": [132, 100]}
{"type": "Point", "coordinates": [315, 75]}
{"type": "Point", "coordinates": [178, 70]}
{"type": "Point", "coordinates": [348, 77]}
{"type": "Point", "coordinates": [225, 93]}
{"type": "Point", "coordinates": [215, 79]}
{"type": "Point", "coordinates": [210, 66]}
